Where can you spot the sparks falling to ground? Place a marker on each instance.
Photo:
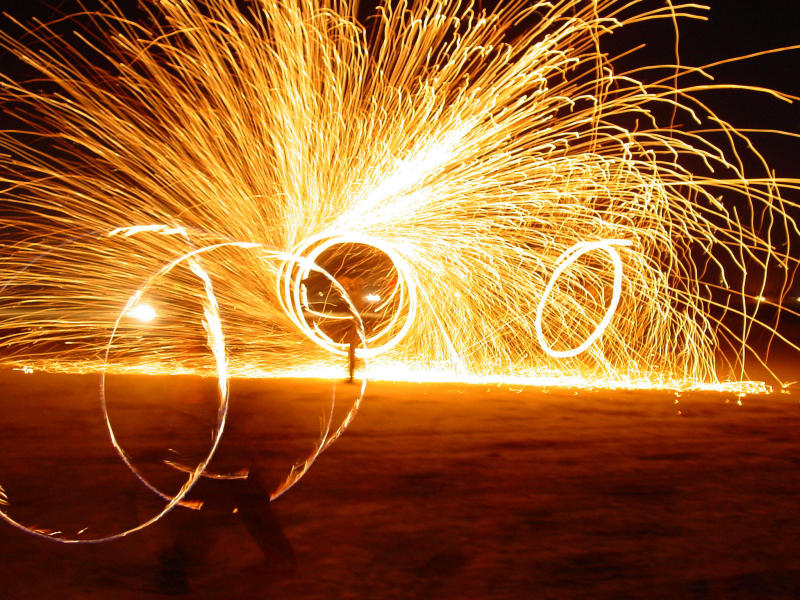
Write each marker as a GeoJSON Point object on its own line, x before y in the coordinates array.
{"type": "Point", "coordinates": [501, 201]}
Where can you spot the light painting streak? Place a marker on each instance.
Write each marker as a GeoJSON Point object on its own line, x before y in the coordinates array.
{"type": "Point", "coordinates": [565, 261]}
{"type": "Point", "coordinates": [504, 203]}
{"type": "Point", "coordinates": [213, 327]}
{"type": "Point", "coordinates": [472, 147]}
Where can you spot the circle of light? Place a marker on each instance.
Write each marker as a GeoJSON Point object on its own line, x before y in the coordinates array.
{"type": "Point", "coordinates": [217, 343]}
{"type": "Point", "coordinates": [222, 376]}
{"type": "Point", "coordinates": [291, 296]}
{"type": "Point", "coordinates": [218, 349]}
{"type": "Point", "coordinates": [326, 438]}
{"type": "Point", "coordinates": [564, 262]}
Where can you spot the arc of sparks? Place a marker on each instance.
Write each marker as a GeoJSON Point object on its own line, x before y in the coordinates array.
{"type": "Point", "coordinates": [212, 323]}
{"type": "Point", "coordinates": [476, 146]}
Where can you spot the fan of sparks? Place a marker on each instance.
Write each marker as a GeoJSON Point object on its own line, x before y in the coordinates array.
{"type": "Point", "coordinates": [499, 200]}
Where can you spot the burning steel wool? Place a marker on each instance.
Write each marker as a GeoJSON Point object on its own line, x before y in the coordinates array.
{"type": "Point", "coordinates": [477, 174]}
{"type": "Point", "coordinates": [484, 192]}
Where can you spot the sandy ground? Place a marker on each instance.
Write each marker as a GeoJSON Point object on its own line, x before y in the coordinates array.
{"type": "Point", "coordinates": [436, 491]}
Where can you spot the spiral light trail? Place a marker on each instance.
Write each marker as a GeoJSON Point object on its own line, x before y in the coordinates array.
{"type": "Point", "coordinates": [489, 192]}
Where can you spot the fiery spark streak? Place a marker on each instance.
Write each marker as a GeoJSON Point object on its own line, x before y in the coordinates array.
{"type": "Point", "coordinates": [498, 162]}
{"type": "Point", "coordinates": [213, 327]}
{"type": "Point", "coordinates": [473, 155]}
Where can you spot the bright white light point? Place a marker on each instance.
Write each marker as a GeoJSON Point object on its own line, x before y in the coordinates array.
{"type": "Point", "coordinates": [373, 297]}
{"type": "Point", "coordinates": [143, 312]}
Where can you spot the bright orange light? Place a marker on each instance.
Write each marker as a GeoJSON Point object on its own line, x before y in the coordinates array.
{"type": "Point", "coordinates": [143, 312]}
{"type": "Point", "coordinates": [545, 222]}
{"type": "Point", "coordinates": [491, 155]}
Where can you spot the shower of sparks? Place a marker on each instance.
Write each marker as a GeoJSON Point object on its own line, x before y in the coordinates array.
{"type": "Point", "coordinates": [476, 150]}
{"type": "Point", "coordinates": [489, 192]}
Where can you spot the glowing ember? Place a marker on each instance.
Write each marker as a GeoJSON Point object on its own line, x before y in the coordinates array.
{"type": "Point", "coordinates": [143, 312]}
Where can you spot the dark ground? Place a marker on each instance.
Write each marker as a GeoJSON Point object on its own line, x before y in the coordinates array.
{"type": "Point", "coordinates": [436, 491]}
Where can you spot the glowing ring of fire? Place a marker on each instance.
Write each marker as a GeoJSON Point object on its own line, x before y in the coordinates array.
{"type": "Point", "coordinates": [290, 292]}
{"type": "Point", "coordinates": [327, 438]}
{"type": "Point", "coordinates": [217, 343]}
{"type": "Point", "coordinates": [218, 348]}
{"type": "Point", "coordinates": [299, 470]}
{"type": "Point", "coordinates": [566, 260]}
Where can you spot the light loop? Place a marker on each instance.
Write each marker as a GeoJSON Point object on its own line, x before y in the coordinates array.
{"type": "Point", "coordinates": [564, 262]}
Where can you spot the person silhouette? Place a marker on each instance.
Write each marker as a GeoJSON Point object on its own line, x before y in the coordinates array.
{"type": "Point", "coordinates": [233, 488]}
{"type": "Point", "coordinates": [352, 343]}
{"type": "Point", "coordinates": [355, 290]}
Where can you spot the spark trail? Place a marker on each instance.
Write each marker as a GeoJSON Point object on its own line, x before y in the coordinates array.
{"type": "Point", "coordinates": [475, 150]}
{"type": "Point", "coordinates": [216, 191]}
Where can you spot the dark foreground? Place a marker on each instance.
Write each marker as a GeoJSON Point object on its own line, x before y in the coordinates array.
{"type": "Point", "coordinates": [436, 491]}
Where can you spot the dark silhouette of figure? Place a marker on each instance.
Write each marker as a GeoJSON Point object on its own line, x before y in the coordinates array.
{"type": "Point", "coordinates": [231, 492]}
{"type": "Point", "coordinates": [352, 343]}
{"type": "Point", "coordinates": [354, 288]}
